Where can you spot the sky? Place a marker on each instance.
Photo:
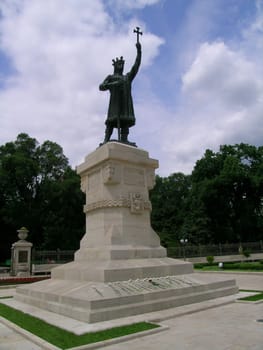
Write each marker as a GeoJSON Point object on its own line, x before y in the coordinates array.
{"type": "Point", "coordinates": [200, 84]}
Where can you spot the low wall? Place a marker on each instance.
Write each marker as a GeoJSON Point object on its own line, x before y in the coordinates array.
{"type": "Point", "coordinates": [43, 268]}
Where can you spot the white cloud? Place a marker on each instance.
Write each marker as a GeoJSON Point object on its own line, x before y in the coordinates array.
{"type": "Point", "coordinates": [221, 102]}
{"type": "Point", "coordinates": [61, 51]}
{"type": "Point", "coordinates": [222, 75]}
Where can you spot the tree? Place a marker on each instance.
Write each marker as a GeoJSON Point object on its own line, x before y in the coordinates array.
{"type": "Point", "coordinates": [221, 201]}
{"type": "Point", "coordinates": [31, 175]}
{"type": "Point", "coordinates": [196, 224]}
{"type": "Point", "coordinates": [168, 201]}
{"type": "Point", "coordinates": [230, 189]}
{"type": "Point", "coordinates": [62, 212]}
{"type": "Point", "coordinates": [18, 173]}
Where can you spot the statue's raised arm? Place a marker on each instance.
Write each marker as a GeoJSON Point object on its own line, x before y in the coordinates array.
{"type": "Point", "coordinates": [120, 112]}
{"type": "Point", "coordinates": [137, 62]}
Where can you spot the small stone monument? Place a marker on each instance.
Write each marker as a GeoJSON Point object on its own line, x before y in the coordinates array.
{"type": "Point", "coordinates": [21, 254]}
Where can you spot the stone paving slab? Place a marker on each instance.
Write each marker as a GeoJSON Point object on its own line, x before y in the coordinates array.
{"type": "Point", "coordinates": [12, 340]}
{"type": "Point", "coordinates": [231, 327]}
{"type": "Point", "coordinates": [245, 280]}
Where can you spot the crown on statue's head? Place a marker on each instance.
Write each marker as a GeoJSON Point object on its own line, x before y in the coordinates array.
{"type": "Point", "coordinates": [118, 61]}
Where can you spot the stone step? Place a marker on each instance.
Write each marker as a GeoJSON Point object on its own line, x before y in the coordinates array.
{"type": "Point", "coordinates": [121, 270]}
{"type": "Point", "coordinates": [158, 304]}
{"type": "Point", "coordinates": [101, 302]}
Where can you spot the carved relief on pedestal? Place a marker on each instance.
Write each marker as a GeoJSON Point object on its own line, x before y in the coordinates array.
{"type": "Point", "coordinates": [134, 201]}
{"type": "Point", "coordinates": [84, 184]}
{"type": "Point", "coordinates": [137, 203]}
{"type": "Point", "coordinates": [111, 173]}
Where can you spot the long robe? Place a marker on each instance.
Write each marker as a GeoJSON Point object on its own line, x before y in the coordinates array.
{"type": "Point", "coordinates": [120, 111]}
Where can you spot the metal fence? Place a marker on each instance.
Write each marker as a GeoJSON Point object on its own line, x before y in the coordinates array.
{"type": "Point", "coordinates": [191, 251]}
{"type": "Point", "coordinates": [52, 256]}
{"type": "Point", "coordinates": [183, 251]}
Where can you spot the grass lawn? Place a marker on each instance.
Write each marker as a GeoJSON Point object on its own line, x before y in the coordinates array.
{"type": "Point", "coordinates": [255, 297]}
{"type": "Point", "coordinates": [64, 339]}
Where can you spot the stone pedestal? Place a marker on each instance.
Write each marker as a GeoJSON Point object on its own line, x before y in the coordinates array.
{"type": "Point", "coordinates": [119, 243]}
{"type": "Point", "coordinates": [120, 268]}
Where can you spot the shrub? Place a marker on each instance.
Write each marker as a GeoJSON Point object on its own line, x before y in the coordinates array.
{"type": "Point", "coordinates": [246, 253]}
{"type": "Point", "coordinates": [252, 266]}
{"type": "Point", "coordinates": [199, 265]}
{"type": "Point", "coordinates": [210, 259]}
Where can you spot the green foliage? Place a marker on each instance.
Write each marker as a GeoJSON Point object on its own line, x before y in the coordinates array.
{"type": "Point", "coordinates": [38, 189]}
{"type": "Point", "coordinates": [210, 259]}
{"type": "Point", "coordinates": [207, 267]}
{"type": "Point", "coordinates": [241, 266]}
{"type": "Point", "coordinates": [251, 266]}
{"type": "Point", "coordinates": [253, 298]}
{"type": "Point", "coordinates": [64, 339]}
{"type": "Point", "coordinates": [168, 201]}
{"type": "Point", "coordinates": [246, 253]}
{"type": "Point", "coordinates": [222, 200]}
{"type": "Point", "coordinates": [231, 189]}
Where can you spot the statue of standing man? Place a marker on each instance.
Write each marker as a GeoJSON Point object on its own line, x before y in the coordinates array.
{"type": "Point", "coordinates": [121, 112]}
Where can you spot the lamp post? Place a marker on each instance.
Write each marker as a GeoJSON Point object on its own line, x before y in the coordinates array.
{"type": "Point", "coordinates": [183, 241]}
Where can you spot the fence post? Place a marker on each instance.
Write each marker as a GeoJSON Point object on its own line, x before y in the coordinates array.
{"type": "Point", "coordinates": [58, 254]}
{"type": "Point", "coordinates": [199, 250]}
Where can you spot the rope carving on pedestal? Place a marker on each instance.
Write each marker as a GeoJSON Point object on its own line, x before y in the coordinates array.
{"type": "Point", "coordinates": [135, 202]}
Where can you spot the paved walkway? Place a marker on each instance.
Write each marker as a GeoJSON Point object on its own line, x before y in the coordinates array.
{"type": "Point", "coordinates": [235, 326]}
{"type": "Point", "coordinates": [231, 327]}
{"type": "Point", "coordinates": [11, 340]}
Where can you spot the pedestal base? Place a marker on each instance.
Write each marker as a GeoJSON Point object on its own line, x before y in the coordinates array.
{"type": "Point", "coordinates": [96, 302]}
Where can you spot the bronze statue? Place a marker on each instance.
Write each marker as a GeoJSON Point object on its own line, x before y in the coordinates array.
{"type": "Point", "coordinates": [121, 112]}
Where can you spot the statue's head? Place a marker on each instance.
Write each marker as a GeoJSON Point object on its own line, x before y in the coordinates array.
{"type": "Point", "coordinates": [118, 65]}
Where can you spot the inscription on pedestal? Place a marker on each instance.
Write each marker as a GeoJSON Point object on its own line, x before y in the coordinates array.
{"type": "Point", "coordinates": [138, 286]}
